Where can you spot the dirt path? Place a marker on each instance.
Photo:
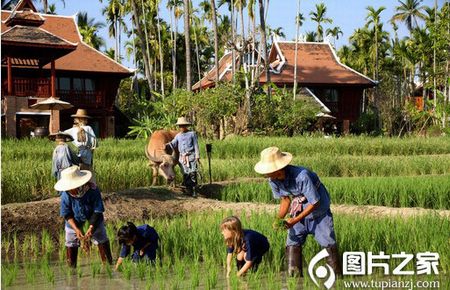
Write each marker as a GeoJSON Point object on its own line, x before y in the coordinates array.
{"type": "Point", "coordinates": [142, 203]}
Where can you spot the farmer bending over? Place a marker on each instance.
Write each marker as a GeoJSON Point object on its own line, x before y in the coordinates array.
{"type": "Point", "coordinates": [81, 201]}
{"type": "Point", "coordinates": [308, 202]}
{"type": "Point", "coordinates": [187, 145]}
{"type": "Point", "coordinates": [249, 246]}
{"type": "Point", "coordinates": [144, 240]}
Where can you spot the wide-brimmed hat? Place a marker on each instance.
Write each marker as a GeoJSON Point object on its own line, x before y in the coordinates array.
{"type": "Point", "coordinates": [272, 159]}
{"type": "Point", "coordinates": [60, 135]}
{"type": "Point", "coordinates": [182, 121]}
{"type": "Point", "coordinates": [81, 113]}
{"type": "Point", "coordinates": [71, 178]}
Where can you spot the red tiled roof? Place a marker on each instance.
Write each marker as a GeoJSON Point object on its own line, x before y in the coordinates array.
{"type": "Point", "coordinates": [224, 73]}
{"type": "Point", "coordinates": [84, 58]}
{"type": "Point", "coordinates": [316, 64]}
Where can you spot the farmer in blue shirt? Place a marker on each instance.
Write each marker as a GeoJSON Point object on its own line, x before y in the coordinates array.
{"type": "Point", "coordinates": [144, 240]}
{"type": "Point", "coordinates": [186, 143]}
{"type": "Point", "coordinates": [81, 202]}
{"type": "Point", "coordinates": [63, 157]}
{"type": "Point", "coordinates": [248, 245]}
{"type": "Point", "coordinates": [308, 203]}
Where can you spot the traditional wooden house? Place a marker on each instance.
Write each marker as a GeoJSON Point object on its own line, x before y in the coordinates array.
{"type": "Point", "coordinates": [44, 55]}
{"type": "Point", "coordinates": [336, 87]}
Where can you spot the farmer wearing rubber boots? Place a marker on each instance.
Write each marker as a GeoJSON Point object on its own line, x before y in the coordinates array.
{"type": "Point", "coordinates": [81, 202]}
{"type": "Point", "coordinates": [186, 143]}
{"type": "Point", "coordinates": [308, 202]}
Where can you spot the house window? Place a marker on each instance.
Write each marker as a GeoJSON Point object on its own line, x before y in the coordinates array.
{"type": "Point", "coordinates": [89, 84]}
{"type": "Point", "coordinates": [64, 84]}
{"type": "Point", "coordinates": [78, 84]}
{"type": "Point", "coordinates": [330, 97]}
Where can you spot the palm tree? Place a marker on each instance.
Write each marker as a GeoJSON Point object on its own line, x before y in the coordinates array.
{"type": "Point", "coordinates": [114, 12]}
{"type": "Point", "coordinates": [213, 19]}
{"type": "Point", "coordinates": [264, 43]}
{"type": "Point", "coordinates": [334, 32]}
{"type": "Point", "coordinates": [89, 29]}
{"type": "Point", "coordinates": [240, 5]}
{"type": "Point", "coordinates": [161, 59]}
{"type": "Point", "coordinates": [175, 12]}
{"type": "Point", "coordinates": [374, 18]}
{"type": "Point", "coordinates": [408, 12]}
{"type": "Point", "coordinates": [231, 8]}
{"type": "Point", "coordinates": [319, 16]}
{"type": "Point", "coordinates": [187, 42]}
{"type": "Point", "coordinates": [298, 20]}
{"type": "Point", "coordinates": [311, 36]}
{"type": "Point", "coordinates": [278, 32]}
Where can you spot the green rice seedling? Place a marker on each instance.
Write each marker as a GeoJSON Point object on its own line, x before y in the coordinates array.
{"type": "Point", "coordinates": [109, 271]}
{"type": "Point", "coordinates": [79, 272]}
{"type": "Point", "coordinates": [34, 246]}
{"type": "Point", "coordinates": [30, 272]}
{"type": "Point", "coordinates": [25, 246]}
{"type": "Point", "coordinates": [46, 242]}
{"type": "Point", "coordinates": [16, 246]}
{"type": "Point", "coordinates": [195, 276]}
{"type": "Point", "coordinates": [292, 283]}
{"type": "Point", "coordinates": [127, 269]}
{"type": "Point", "coordinates": [95, 268]}
{"type": "Point", "coordinates": [9, 274]}
{"type": "Point", "coordinates": [47, 272]}
{"type": "Point", "coordinates": [141, 268]}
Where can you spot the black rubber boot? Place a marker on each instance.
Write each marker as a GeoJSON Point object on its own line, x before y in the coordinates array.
{"type": "Point", "coordinates": [333, 260]}
{"type": "Point", "coordinates": [105, 252]}
{"type": "Point", "coordinates": [294, 260]}
{"type": "Point", "coordinates": [72, 255]}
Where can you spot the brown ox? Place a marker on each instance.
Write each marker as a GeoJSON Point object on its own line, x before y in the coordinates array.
{"type": "Point", "coordinates": [161, 160]}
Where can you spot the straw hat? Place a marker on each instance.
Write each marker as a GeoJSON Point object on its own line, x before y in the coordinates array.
{"type": "Point", "coordinates": [72, 177]}
{"type": "Point", "coordinates": [182, 121]}
{"type": "Point", "coordinates": [272, 159]}
{"type": "Point", "coordinates": [81, 113]}
{"type": "Point", "coordinates": [60, 135]}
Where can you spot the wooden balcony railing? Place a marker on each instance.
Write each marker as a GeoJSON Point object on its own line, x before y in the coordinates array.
{"type": "Point", "coordinates": [26, 87]}
{"type": "Point", "coordinates": [83, 99]}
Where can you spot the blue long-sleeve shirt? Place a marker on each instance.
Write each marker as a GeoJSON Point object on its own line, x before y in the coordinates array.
{"type": "Point", "coordinates": [187, 144]}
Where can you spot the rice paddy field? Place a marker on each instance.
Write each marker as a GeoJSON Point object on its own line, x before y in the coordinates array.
{"type": "Point", "coordinates": [410, 172]}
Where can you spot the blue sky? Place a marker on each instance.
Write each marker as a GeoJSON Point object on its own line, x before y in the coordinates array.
{"type": "Point", "coordinates": [347, 14]}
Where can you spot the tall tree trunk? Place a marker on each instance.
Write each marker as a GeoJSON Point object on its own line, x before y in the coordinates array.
{"type": "Point", "coordinates": [116, 38]}
{"type": "Point", "coordinates": [197, 57]}
{"type": "Point", "coordinates": [144, 47]}
{"type": "Point", "coordinates": [216, 39]}
{"type": "Point", "coordinates": [45, 3]}
{"type": "Point", "coordinates": [187, 42]}
{"type": "Point", "coordinates": [161, 59]}
{"type": "Point", "coordinates": [376, 52]}
{"type": "Point", "coordinates": [233, 53]}
{"type": "Point", "coordinates": [264, 44]}
{"type": "Point", "coordinates": [242, 23]}
{"type": "Point", "coordinates": [174, 82]}
{"type": "Point", "coordinates": [297, 28]}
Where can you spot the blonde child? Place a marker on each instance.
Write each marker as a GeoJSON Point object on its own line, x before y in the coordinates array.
{"type": "Point", "coordinates": [249, 246]}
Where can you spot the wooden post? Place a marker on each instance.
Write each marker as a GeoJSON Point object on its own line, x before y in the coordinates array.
{"type": "Point", "coordinates": [53, 79]}
{"type": "Point", "coordinates": [9, 73]}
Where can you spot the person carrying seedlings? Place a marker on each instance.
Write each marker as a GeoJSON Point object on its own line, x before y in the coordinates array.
{"type": "Point", "coordinates": [63, 156]}
{"type": "Point", "coordinates": [81, 202]}
{"type": "Point", "coordinates": [83, 138]}
{"type": "Point", "coordinates": [307, 201]}
{"type": "Point", "coordinates": [249, 246]}
{"type": "Point", "coordinates": [144, 240]}
{"type": "Point", "coordinates": [186, 143]}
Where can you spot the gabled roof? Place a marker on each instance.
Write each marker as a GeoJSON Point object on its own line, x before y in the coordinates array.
{"type": "Point", "coordinates": [317, 63]}
{"type": "Point", "coordinates": [84, 58]}
{"type": "Point", "coordinates": [225, 65]}
{"type": "Point", "coordinates": [33, 36]}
